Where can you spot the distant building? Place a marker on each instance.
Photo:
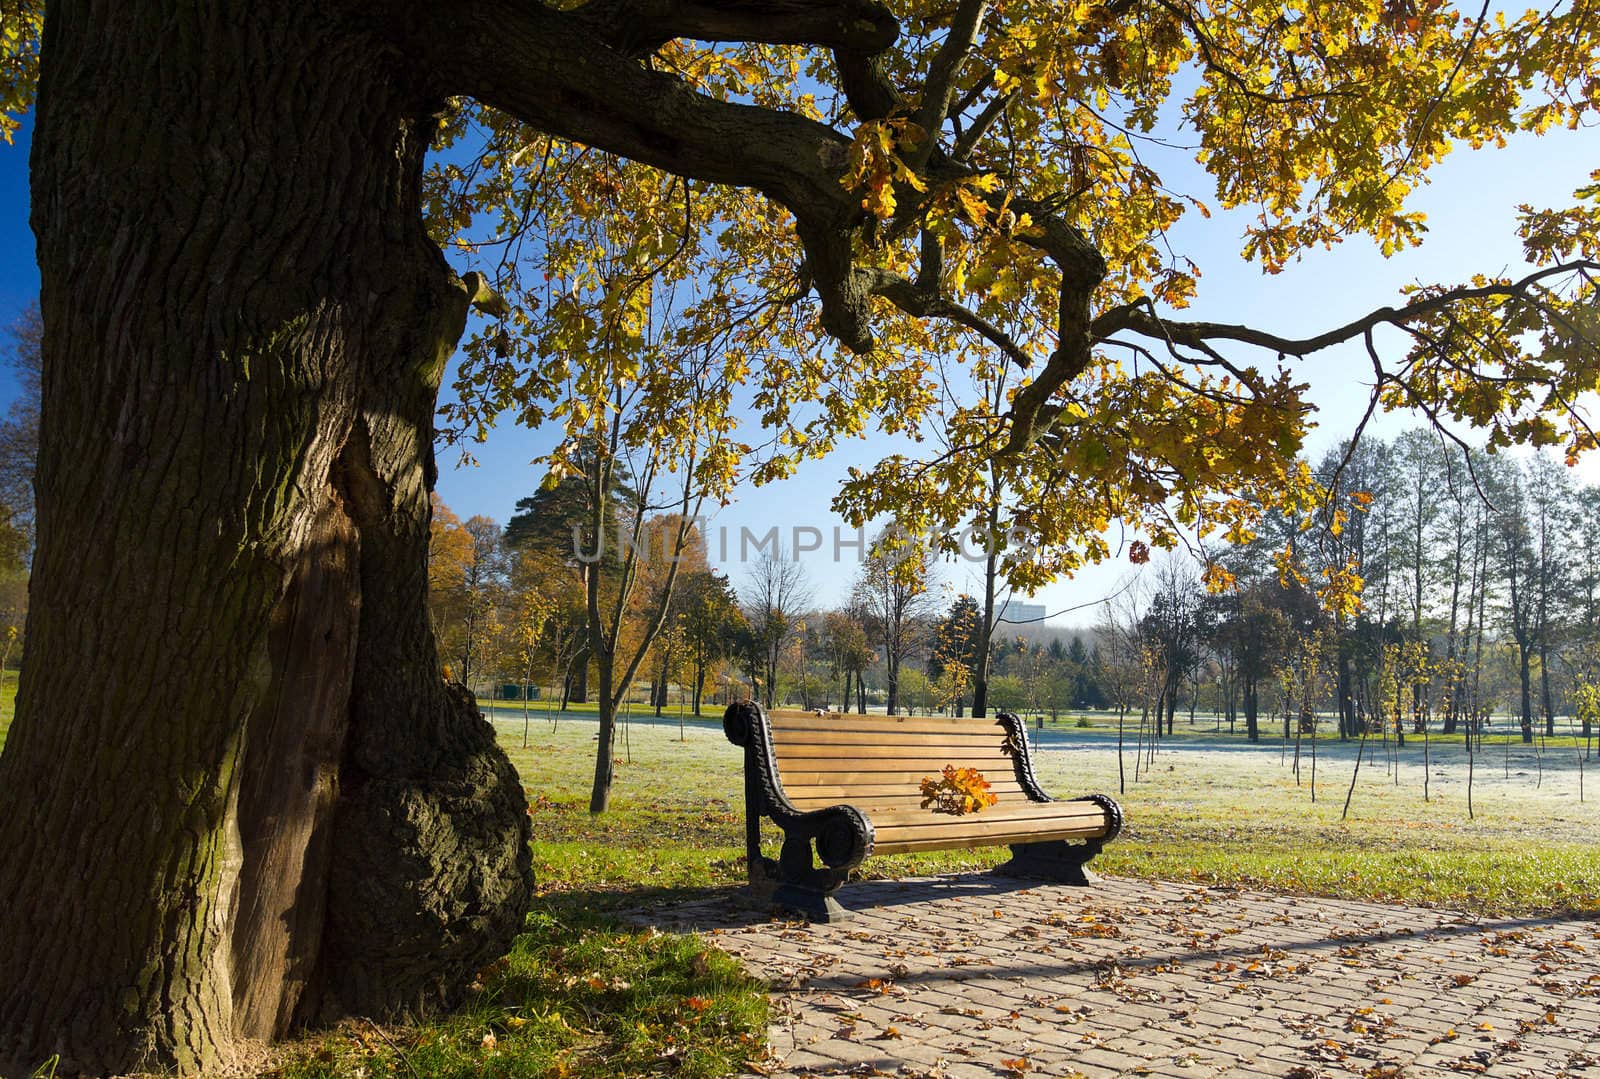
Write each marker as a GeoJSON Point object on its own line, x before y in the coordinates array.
{"type": "Point", "coordinates": [1021, 613]}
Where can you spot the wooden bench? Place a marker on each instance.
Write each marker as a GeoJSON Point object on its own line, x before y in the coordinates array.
{"type": "Point", "coordinates": [850, 786]}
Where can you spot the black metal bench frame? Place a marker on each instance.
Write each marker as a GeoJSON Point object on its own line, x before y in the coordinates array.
{"type": "Point", "coordinates": [842, 835]}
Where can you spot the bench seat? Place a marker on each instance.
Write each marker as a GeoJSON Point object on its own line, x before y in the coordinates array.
{"type": "Point", "coordinates": [851, 786]}
{"type": "Point", "coordinates": [899, 831]}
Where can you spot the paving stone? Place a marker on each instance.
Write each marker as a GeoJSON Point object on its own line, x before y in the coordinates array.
{"type": "Point", "coordinates": [1145, 978]}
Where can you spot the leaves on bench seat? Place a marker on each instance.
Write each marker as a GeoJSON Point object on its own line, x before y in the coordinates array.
{"type": "Point", "coordinates": [958, 792]}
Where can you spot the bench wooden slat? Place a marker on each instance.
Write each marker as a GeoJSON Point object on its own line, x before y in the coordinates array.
{"type": "Point", "coordinates": [970, 756]}
{"type": "Point", "coordinates": [891, 812]}
{"type": "Point", "coordinates": [881, 796]}
{"type": "Point", "coordinates": [944, 842]}
{"type": "Point", "coordinates": [943, 755]}
{"type": "Point", "coordinates": [796, 781]}
{"type": "Point", "coordinates": [987, 828]}
{"type": "Point", "coordinates": [987, 836]}
{"type": "Point", "coordinates": [880, 738]}
{"type": "Point", "coordinates": [992, 766]}
{"type": "Point", "coordinates": [889, 738]}
{"type": "Point", "coordinates": [872, 804]}
{"type": "Point", "coordinates": [895, 726]}
{"type": "Point", "coordinates": [905, 773]}
{"type": "Point", "coordinates": [956, 743]}
{"type": "Point", "coordinates": [889, 726]}
{"type": "Point", "coordinates": [998, 814]}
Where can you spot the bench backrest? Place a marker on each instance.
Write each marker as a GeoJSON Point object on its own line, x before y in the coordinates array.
{"type": "Point", "coordinates": [878, 762]}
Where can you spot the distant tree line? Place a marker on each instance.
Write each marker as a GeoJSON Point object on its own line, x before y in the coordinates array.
{"type": "Point", "coordinates": [20, 346]}
{"type": "Point", "coordinates": [1436, 587]}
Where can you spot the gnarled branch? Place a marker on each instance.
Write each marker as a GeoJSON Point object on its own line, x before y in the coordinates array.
{"type": "Point", "coordinates": [1139, 318]}
{"type": "Point", "coordinates": [1031, 412]}
{"type": "Point", "coordinates": [939, 87]}
{"type": "Point", "coordinates": [923, 302]}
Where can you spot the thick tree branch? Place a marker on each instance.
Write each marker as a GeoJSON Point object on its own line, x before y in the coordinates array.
{"type": "Point", "coordinates": [546, 68]}
{"type": "Point", "coordinates": [1082, 268]}
{"type": "Point", "coordinates": [640, 27]}
{"type": "Point", "coordinates": [867, 87]}
{"type": "Point", "coordinates": [970, 138]}
{"type": "Point", "coordinates": [939, 87]}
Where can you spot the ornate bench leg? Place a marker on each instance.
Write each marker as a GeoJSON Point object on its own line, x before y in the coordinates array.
{"type": "Point", "coordinates": [842, 833]}
{"type": "Point", "coordinates": [1053, 860]}
{"type": "Point", "coordinates": [804, 888]}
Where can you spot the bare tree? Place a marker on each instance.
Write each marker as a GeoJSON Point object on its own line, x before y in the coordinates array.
{"type": "Point", "coordinates": [1121, 670]}
{"type": "Point", "coordinates": [894, 589]}
{"type": "Point", "coordinates": [1517, 560]}
{"type": "Point", "coordinates": [776, 597]}
{"type": "Point", "coordinates": [1171, 629]}
{"type": "Point", "coordinates": [1552, 507]}
{"type": "Point", "coordinates": [19, 447]}
{"type": "Point", "coordinates": [19, 431]}
{"type": "Point", "coordinates": [483, 592]}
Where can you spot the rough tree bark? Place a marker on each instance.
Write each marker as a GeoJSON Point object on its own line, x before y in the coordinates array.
{"type": "Point", "coordinates": [251, 800]}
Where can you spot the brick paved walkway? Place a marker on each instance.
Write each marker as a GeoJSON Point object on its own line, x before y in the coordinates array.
{"type": "Point", "coordinates": [970, 976]}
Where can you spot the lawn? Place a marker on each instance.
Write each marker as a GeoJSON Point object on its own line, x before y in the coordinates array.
{"type": "Point", "coordinates": [8, 702]}
{"type": "Point", "coordinates": [577, 996]}
{"type": "Point", "coordinates": [1212, 810]}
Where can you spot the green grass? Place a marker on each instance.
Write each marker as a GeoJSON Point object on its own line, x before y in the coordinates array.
{"type": "Point", "coordinates": [577, 996]}
{"type": "Point", "coordinates": [1218, 814]}
{"type": "Point", "coordinates": [8, 702]}
{"type": "Point", "coordinates": [1499, 879]}
{"type": "Point", "coordinates": [540, 709]}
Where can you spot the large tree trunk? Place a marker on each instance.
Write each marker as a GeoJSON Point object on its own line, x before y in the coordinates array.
{"type": "Point", "coordinates": [238, 794]}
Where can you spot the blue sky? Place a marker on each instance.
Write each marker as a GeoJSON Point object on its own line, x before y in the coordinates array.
{"type": "Point", "coordinates": [19, 274]}
{"type": "Point", "coordinates": [1471, 216]}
